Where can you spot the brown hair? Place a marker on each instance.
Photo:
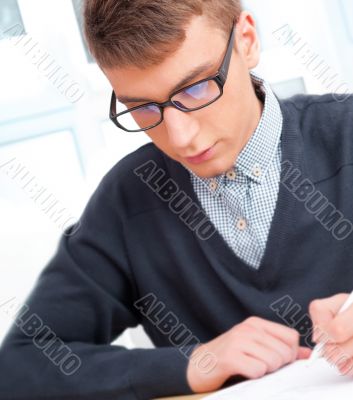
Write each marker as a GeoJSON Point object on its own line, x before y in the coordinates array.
{"type": "Point", "coordinates": [144, 32]}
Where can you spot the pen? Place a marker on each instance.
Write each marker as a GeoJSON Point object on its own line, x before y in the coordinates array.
{"type": "Point", "coordinates": [316, 353]}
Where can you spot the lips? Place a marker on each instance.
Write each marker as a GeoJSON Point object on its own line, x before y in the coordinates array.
{"type": "Point", "coordinates": [201, 157]}
{"type": "Point", "coordinates": [199, 154]}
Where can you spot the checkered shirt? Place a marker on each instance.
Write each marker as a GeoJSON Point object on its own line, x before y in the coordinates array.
{"type": "Point", "coordinates": [241, 202]}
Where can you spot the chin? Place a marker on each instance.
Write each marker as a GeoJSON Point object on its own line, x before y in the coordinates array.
{"type": "Point", "coordinates": [210, 171]}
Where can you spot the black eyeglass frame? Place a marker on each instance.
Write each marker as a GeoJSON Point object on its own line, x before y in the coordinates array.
{"type": "Point", "coordinates": [220, 78]}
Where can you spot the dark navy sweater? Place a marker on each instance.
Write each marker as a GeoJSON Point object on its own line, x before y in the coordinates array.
{"type": "Point", "coordinates": [144, 252]}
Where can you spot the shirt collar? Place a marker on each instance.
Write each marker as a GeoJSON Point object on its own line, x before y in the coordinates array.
{"type": "Point", "coordinates": [255, 159]}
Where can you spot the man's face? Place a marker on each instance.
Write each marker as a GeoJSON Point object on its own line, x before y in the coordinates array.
{"type": "Point", "coordinates": [224, 126]}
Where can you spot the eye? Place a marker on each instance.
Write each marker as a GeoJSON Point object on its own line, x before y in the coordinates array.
{"type": "Point", "coordinates": [150, 109]}
{"type": "Point", "coordinates": [198, 91]}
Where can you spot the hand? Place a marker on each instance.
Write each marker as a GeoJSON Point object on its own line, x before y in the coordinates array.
{"type": "Point", "coordinates": [334, 330]}
{"type": "Point", "coordinates": [252, 349]}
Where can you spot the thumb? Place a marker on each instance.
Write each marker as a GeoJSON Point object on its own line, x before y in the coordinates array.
{"type": "Point", "coordinates": [303, 353]}
{"type": "Point", "coordinates": [323, 311]}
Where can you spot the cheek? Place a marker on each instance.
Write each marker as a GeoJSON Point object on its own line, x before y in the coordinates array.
{"type": "Point", "coordinates": [223, 117]}
{"type": "Point", "coordinates": [159, 137]}
{"type": "Point", "coordinates": [235, 112]}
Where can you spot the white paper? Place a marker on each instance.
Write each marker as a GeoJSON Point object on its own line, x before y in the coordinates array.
{"type": "Point", "coordinates": [295, 381]}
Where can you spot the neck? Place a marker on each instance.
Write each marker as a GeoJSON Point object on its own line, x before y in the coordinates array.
{"type": "Point", "coordinates": [258, 103]}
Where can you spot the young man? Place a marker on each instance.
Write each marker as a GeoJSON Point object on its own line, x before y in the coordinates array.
{"type": "Point", "coordinates": [216, 237]}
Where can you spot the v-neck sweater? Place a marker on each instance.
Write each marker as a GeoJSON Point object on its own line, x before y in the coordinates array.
{"type": "Point", "coordinates": [145, 252]}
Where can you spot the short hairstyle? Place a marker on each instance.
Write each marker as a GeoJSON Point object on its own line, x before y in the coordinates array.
{"type": "Point", "coordinates": [142, 33]}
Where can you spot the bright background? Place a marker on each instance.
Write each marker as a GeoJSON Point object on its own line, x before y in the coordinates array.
{"type": "Point", "coordinates": [67, 147]}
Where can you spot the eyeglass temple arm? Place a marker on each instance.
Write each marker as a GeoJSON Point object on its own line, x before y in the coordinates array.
{"type": "Point", "coordinates": [223, 72]}
{"type": "Point", "coordinates": [112, 112]}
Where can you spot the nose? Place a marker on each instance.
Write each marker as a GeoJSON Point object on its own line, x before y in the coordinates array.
{"type": "Point", "coordinates": [182, 128]}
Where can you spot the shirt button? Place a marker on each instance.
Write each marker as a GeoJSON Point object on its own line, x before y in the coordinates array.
{"type": "Point", "coordinates": [257, 171]}
{"type": "Point", "coordinates": [241, 224]}
{"type": "Point", "coordinates": [213, 185]}
{"type": "Point", "coordinates": [231, 174]}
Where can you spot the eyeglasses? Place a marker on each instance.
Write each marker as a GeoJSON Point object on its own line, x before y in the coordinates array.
{"type": "Point", "coordinates": [190, 98]}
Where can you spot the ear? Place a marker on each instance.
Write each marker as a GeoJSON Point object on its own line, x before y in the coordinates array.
{"type": "Point", "coordinates": [247, 40]}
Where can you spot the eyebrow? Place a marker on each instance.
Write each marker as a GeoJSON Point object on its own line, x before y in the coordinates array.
{"type": "Point", "coordinates": [189, 77]}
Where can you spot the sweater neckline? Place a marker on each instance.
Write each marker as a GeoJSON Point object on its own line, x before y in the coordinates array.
{"type": "Point", "coordinates": [217, 249]}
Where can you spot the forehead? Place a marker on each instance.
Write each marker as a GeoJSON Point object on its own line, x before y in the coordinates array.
{"type": "Point", "coordinates": [204, 44]}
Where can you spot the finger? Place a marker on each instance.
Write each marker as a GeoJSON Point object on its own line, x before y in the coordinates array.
{"type": "Point", "coordinates": [339, 359]}
{"type": "Point", "coordinates": [338, 351]}
{"type": "Point", "coordinates": [323, 311]}
{"type": "Point", "coordinates": [303, 353]}
{"type": "Point", "coordinates": [271, 358]}
{"type": "Point", "coordinates": [346, 367]}
{"type": "Point", "coordinates": [282, 332]}
{"type": "Point", "coordinates": [249, 367]}
{"type": "Point", "coordinates": [340, 328]}
{"type": "Point", "coordinates": [287, 353]}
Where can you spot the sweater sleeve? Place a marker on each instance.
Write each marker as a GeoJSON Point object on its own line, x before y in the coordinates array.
{"type": "Point", "coordinates": [59, 346]}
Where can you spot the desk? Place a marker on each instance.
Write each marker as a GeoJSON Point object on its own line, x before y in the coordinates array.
{"type": "Point", "coordinates": [192, 397]}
